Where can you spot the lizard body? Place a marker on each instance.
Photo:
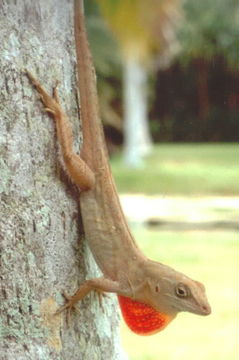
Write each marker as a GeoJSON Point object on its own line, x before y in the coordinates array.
{"type": "Point", "coordinates": [150, 293]}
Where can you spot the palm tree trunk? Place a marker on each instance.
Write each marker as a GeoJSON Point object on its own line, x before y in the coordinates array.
{"type": "Point", "coordinates": [41, 254]}
{"type": "Point", "coordinates": [137, 139]}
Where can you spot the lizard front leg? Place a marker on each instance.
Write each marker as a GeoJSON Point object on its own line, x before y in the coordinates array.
{"type": "Point", "coordinates": [98, 284]}
{"type": "Point", "coordinates": [76, 167]}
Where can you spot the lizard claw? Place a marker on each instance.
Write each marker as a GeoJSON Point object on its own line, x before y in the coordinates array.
{"type": "Point", "coordinates": [69, 306]}
{"type": "Point", "coordinates": [101, 294]}
{"type": "Point", "coordinates": [48, 110]}
{"type": "Point", "coordinates": [55, 92]}
{"type": "Point", "coordinates": [51, 103]}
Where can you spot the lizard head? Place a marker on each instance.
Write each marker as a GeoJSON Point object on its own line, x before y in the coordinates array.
{"type": "Point", "coordinates": [170, 291]}
{"type": "Point", "coordinates": [164, 293]}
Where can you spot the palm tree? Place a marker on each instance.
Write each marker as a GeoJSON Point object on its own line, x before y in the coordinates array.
{"type": "Point", "coordinates": [142, 28]}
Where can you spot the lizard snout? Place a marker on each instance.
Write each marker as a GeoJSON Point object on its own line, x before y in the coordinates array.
{"type": "Point", "coordinates": [206, 309]}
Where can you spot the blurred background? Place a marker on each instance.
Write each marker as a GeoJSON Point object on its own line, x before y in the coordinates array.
{"type": "Point", "coordinates": [168, 83]}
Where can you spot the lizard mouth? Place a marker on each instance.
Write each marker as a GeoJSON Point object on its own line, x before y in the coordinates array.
{"type": "Point", "coordinates": [197, 308]}
{"type": "Point", "coordinates": [203, 310]}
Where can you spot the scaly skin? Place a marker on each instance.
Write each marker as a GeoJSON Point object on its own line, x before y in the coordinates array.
{"type": "Point", "coordinates": [150, 293]}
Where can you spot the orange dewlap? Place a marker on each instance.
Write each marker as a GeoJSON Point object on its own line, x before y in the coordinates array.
{"type": "Point", "coordinates": [141, 318]}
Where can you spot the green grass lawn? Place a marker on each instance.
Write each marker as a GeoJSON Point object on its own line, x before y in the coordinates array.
{"type": "Point", "coordinates": [190, 169]}
{"type": "Point", "coordinates": [208, 256]}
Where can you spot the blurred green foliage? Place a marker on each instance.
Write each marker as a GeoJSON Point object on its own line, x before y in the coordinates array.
{"type": "Point", "coordinates": [197, 97]}
{"type": "Point", "coordinates": [107, 62]}
{"type": "Point", "coordinates": [210, 28]}
{"type": "Point", "coordinates": [103, 45]}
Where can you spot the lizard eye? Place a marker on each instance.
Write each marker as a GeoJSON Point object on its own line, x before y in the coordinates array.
{"type": "Point", "coordinates": [182, 290]}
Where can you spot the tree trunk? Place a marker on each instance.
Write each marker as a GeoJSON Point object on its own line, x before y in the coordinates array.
{"type": "Point", "coordinates": [41, 255]}
{"type": "Point", "coordinates": [203, 92]}
{"type": "Point", "coordinates": [137, 139]}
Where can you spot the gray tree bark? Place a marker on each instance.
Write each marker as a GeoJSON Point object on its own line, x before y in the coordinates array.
{"type": "Point", "coordinates": [41, 254]}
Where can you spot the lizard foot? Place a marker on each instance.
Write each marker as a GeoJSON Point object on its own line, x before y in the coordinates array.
{"type": "Point", "coordinates": [101, 294]}
{"type": "Point", "coordinates": [51, 103]}
{"type": "Point", "coordinates": [69, 307]}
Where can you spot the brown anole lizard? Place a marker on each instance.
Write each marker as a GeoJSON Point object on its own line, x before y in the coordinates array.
{"type": "Point", "coordinates": [150, 293]}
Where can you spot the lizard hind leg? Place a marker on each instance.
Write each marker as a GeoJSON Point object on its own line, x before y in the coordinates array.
{"type": "Point", "coordinates": [78, 171]}
{"type": "Point", "coordinates": [51, 103]}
